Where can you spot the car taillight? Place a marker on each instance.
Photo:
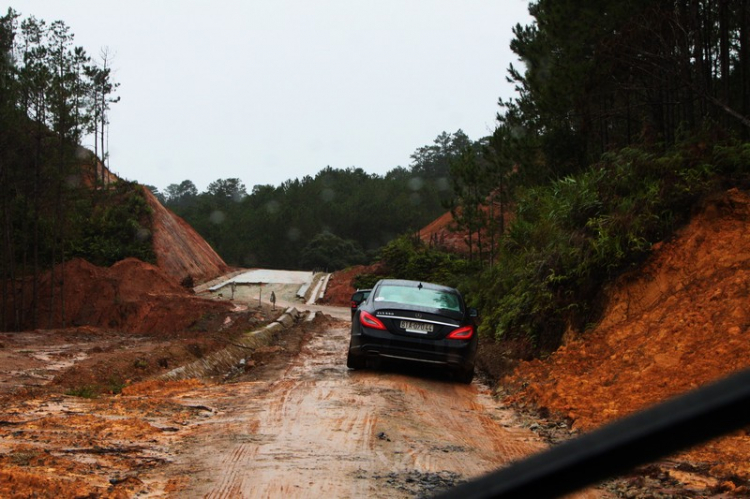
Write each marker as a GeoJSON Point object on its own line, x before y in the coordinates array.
{"type": "Point", "coordinates": [369, 320]}
{"type": "Point", "coordinates": [462, 333]}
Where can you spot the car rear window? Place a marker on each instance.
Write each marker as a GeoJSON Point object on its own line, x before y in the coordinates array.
{"type": "Point", "coordinates": [420, 297]}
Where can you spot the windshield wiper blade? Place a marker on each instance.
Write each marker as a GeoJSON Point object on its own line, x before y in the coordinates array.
{"type": "Point", "coordinates": [661, 430]}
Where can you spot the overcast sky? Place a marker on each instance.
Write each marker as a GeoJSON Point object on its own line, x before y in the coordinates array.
{"type": "Point", "coordinates": [271, 90]}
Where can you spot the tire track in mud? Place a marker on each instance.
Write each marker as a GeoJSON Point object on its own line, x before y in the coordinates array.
{"type": "Point", "coordinates": [320, 430]}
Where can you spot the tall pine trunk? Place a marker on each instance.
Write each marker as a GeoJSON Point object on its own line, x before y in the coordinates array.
{"type": "Point", "coordinates": [745, 61]}
{"type": "Point", "coordinates": [724, 28]}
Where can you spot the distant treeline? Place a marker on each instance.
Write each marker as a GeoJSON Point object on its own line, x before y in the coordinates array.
{"type": "Point", "coordinates": [332, 220]}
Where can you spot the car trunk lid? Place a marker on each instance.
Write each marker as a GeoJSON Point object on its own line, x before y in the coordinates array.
{"type": "Point", "coordinates": [417, 324]}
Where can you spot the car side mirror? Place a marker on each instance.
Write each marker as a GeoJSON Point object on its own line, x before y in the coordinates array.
{"type": "Point", "coordinates": [357, 300]}
{"type": "Point", "coordinates": [473, 313]}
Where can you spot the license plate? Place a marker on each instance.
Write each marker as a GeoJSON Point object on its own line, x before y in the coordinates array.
{"type": "Point", "coordinates": [417, 327]}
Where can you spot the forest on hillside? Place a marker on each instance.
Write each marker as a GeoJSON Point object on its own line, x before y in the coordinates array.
{"type": "Point", "coordinates": [52, 206]}
{"type": "Point", "coordinates": [626, 114]}
{"type": "Point", "coordinates": [332, 220]}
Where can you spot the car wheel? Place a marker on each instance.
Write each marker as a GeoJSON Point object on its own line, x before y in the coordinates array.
{"type": "Point", "coordinates": [464, 375]}
{"type": "Point", "coordinates": [355, 361]}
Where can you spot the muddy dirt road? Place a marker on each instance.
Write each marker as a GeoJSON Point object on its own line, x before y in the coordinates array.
{"type": "Point", "coordinates": [88, 412]}
{"type": "Point", "coordinates": [320, 430]}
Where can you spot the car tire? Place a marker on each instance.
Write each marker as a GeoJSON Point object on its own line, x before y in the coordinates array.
{"type": "Point", "coordinates": [464, 375]}
{"type": "Point", "coordinates": [354, 361]}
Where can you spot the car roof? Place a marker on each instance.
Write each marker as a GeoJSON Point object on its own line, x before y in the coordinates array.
{"type": "Point", "coordinates": [414, 284]}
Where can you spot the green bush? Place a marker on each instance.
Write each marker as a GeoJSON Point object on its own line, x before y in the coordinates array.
{"type": "Point", "coordinates": [329, 251]}
{"type": "Point", "coordinates": [574, 234]}
{"type": "Point", "coordinates": [407, 257]}
{"type": "Point", "coordinates": [113, 224]}
{"type": "Point", "coordinates": [366, 281]}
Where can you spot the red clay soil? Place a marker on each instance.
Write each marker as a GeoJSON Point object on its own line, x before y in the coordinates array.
{"type": "Point", "coordinates": [131, 296]}
{"type": "Point", "coordinates": [341, 284]}
{"type": "Point", "coordinates": [55, 441]}
{"type": "Point", "coordinates": [680, 322]}
{"type": "Point", "coordinates": [86, 447]}
{"type": "Point", "coordinates": [180, 250]}
{"type": "Point", "coordinates": [442, 232]}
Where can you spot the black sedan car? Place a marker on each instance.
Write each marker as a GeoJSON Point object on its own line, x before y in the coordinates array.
{"type": "Point", "coordinates": [417, 322]}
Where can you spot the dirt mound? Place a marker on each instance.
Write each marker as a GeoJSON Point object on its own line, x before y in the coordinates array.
{"type": "Point", "coordinates": [442, 232]}
{"type": "Point", "coordinates": [680, 322]}
{"type": "Point", "coordinates": [180, 251]}
{"type": "Point", "coordinates": [130, 296]}
{"type": "Point", "coordinates": [341, 284]}
{"type": "Point", "coordinates": [133, 273]}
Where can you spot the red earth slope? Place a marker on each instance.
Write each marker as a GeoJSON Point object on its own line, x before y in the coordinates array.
{"type": "Point", "coordinates": [679, 322]}
{"type": "Point", "coordinates": [180, 250]}
{"type": "Point", "coordinates": [130, 296]}
{"type": "Point", "coordinates": [443, 231]}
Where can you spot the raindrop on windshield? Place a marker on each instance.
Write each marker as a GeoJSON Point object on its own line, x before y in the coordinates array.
{"type": "Point", "coordinates": [272, 207]}
{"type": "Point", "coordinates": [416, 183]}
{"type": "Point", "coordinates": [327, 194]}
{"type": "Point", "coordinates": [217, 217]}
{"type": "Point", "coordinates": [293, 234]}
